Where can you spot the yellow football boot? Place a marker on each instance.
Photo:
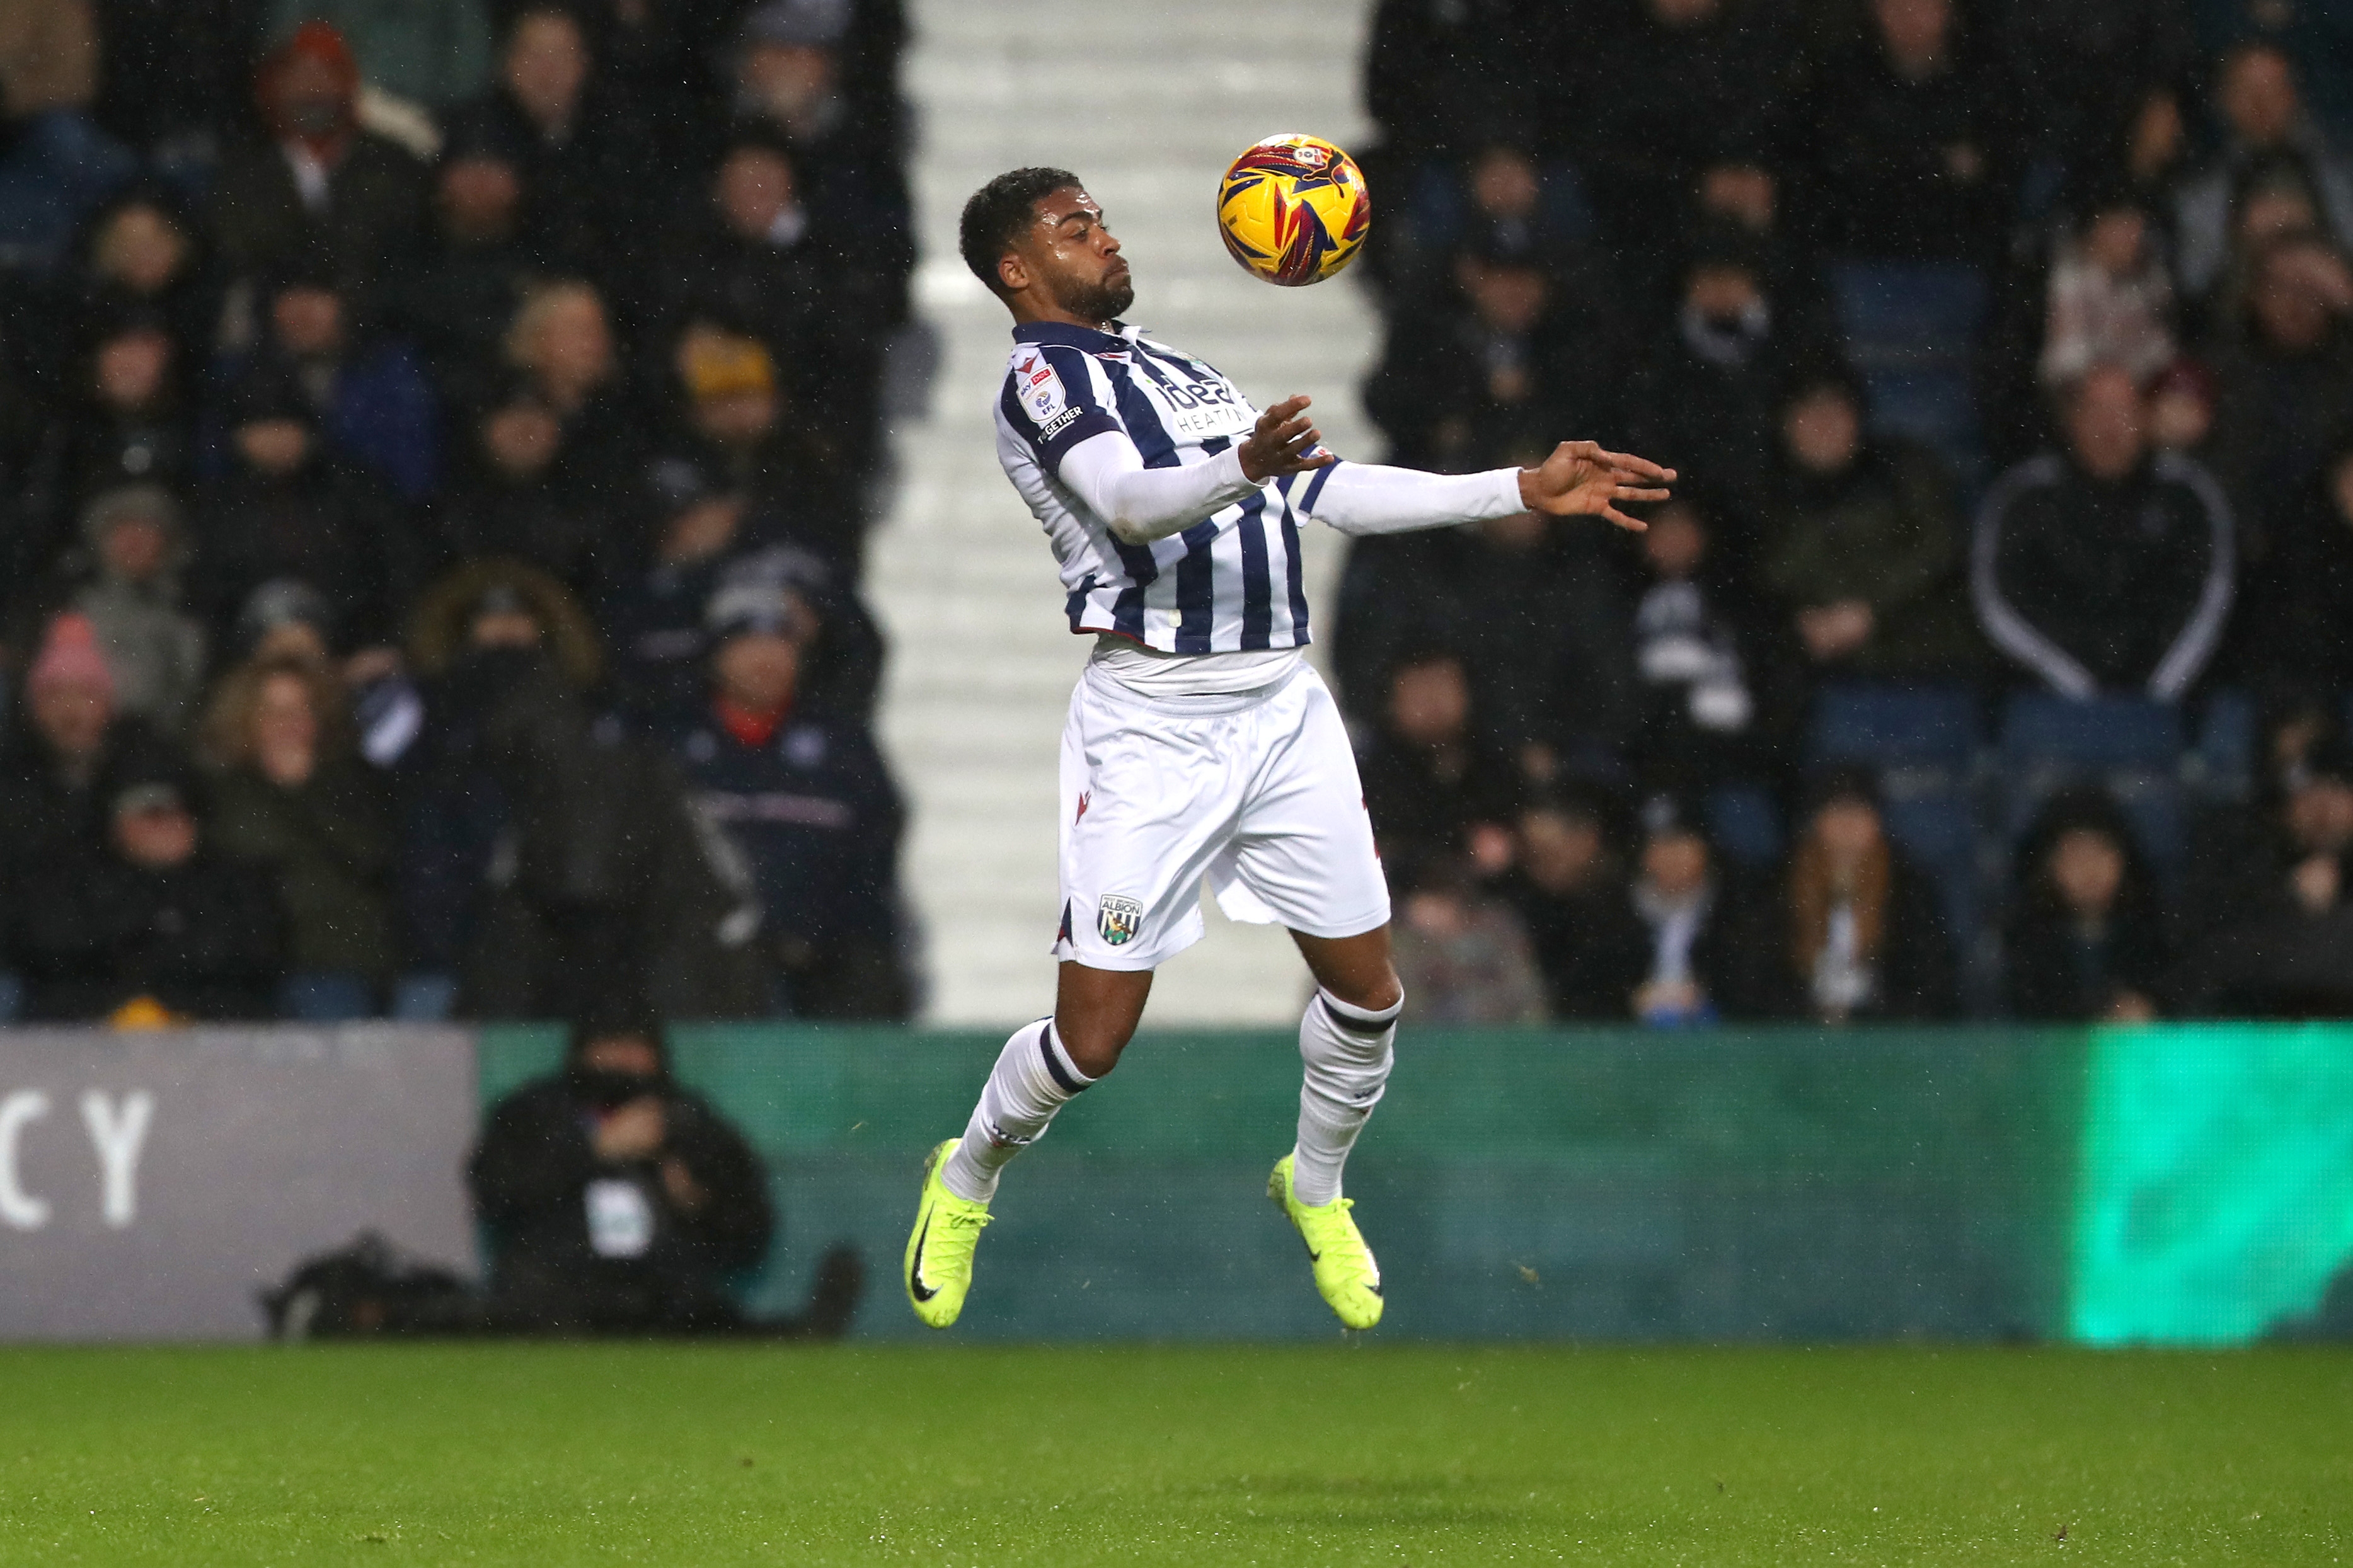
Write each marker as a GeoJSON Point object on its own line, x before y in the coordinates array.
{"type": "Point", "coordinates": [1345, 1270]}
{"type": "Point", "coordinates": [939, 1253]}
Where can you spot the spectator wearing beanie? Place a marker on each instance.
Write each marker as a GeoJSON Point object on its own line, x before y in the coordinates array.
{"type": "Point", "coordinates": [137, 548]}
{"type": "Point", "coordinates": [58, 764]}
{"type": "Point", "coordinates": [804, 796]}
{"type": "Point", "coordinates": [429, 53]}
{"type": "Point", "coordinates": [742, 426]}
{"type": "Point", "coordinates": [1688, 932]}
{"type": "Point", "coordinates": [319, 180]}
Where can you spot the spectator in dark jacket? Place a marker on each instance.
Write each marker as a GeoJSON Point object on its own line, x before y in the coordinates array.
{"type": "Point", "coordinates": [319, 180]}
{"type": "Point", "coordinates": [1519, 359]}
{"type": "Point", "coordinates": [2284, 372]}
{"type": "Point", "coordinates": [1710, 699]}
{"type": "Point", "coordinates": [125, 419]}
{"type": "Point", "coordinates": [1916, 145]}
{"type": "Point", "coordinates": [574, 153]}
{"type": "Point", "coordinates": [156, 927]}
{"type": "Point", "coordinates": [2244, 858]}
{"type": "Point", "coordinates": [2084, 942]}
{"type": "Point", "coordinates": [477, 267]}
{"type": "Point", "coordinates": [148, 250]}
{"type": "Point", "coordinates": [2103, 569]}
{"type": "Point", "coordinates": [1865, 936]}
{"type": "Point", "coordinates": [804, 796]}
{"type": "Point", "coordinates": [1689, 934]}
{"type": "Point", "coordinates": [1538, 614]}
{"type": "Point", "coordinates": [1709, 388]}
{"type": "Point", "coordinates": [561, 341]}
{"type": "Point", "coordinates": [549, 861]}
{"type": "Point", "coordinates": [63, 762]}
{"type": "Point", "coordinates": [292, 798]}
{"type": "Point", "coordinates": [288, 509]}
{"type": "Point", "coordinates": [507, 498]}
{"type": "Point", "coordinates": [1438, 789]}
{"type": "Point", "coordinates": [1569, 882]}
{"type": "Point", "coordinates": [367, 388]}
{"type": "Point", "coordinates": [793, 75]}
{"type": "Point", "coordinates": [1864, 544]}
{"type": "Point", "coordinates": [617, 1201]}
{"type": "Point", "coordinates": [1682, 77]}
{"type": "Point", "coordinates": [2306, 604]}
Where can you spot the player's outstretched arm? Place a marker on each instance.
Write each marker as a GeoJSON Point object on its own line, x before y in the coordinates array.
{"type": "Point", "coordinates": [1582, 477]}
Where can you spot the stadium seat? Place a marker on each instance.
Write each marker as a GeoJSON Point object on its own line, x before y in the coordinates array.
{"type": "Point", "coordinates": [2131, 746]}
{"type": "Point", "coordinates": [1911, 332]}
{"type": "Point", "coordinates": [1745, 824]}
{"type": "Point", "coordinates": [325, 998]}
{"type": "Point", "coordinates": [2222, 765]}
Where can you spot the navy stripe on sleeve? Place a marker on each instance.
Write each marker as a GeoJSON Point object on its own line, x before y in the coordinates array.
{"type": "Point", "coordinates": [1293, 568]}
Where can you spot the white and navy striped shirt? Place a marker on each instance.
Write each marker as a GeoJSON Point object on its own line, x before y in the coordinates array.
{"type": "Point", "coordinates": [1231, 583]}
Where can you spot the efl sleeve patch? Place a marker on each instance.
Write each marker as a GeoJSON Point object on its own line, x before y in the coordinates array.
{"type": "Point", "coordinates": [1051, 391]}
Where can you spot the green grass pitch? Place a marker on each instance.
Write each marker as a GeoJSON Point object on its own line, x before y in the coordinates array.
{"type": "Point", "coordinates": [549, 1455]}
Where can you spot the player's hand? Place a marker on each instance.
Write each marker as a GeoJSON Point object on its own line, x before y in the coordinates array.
{"type": "Point", "coordinates": [1285, 442]}
{"type": "Point", "coordinates": [1581, 479]}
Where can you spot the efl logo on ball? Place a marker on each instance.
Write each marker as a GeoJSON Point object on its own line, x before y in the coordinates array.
{"type": "Point", "coordinates": [1294, 209]}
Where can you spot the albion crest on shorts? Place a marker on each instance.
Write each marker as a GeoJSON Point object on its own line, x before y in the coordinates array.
{"type": "Point", "coordinates": [1118, 920]}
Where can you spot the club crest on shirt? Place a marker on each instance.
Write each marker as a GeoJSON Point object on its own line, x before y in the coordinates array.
{"type": "Point", "coordinates": [1118, 918]}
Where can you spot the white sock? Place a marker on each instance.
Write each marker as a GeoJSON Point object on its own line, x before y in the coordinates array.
{"type": "Point", "coordinates": [1346, 1049]}
{"type": "Point", "coordinates": [1033, 1077]}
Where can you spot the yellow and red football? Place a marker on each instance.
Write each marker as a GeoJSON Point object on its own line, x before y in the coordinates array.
{"type": "Point", "coordinates": [1294, 209]}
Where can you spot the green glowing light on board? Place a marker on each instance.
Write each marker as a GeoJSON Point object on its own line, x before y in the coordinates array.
{"type": "Point", "coordinates": [2215, 1196]}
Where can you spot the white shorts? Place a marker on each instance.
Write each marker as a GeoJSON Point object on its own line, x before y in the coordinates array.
{"type": "Point", "coordinates": [1256, 793]}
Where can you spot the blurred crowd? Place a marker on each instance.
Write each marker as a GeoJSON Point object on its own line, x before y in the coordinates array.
{"type": "Point", "coordinates": [436, 443]}
{"type": "Point", "coordinates": [1994, 655]}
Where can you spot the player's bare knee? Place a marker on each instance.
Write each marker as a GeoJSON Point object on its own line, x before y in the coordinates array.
{"type": "Point", "coordinates": [1375, 991]}
{"type": "Point", "coordinates": [1093, 1045]}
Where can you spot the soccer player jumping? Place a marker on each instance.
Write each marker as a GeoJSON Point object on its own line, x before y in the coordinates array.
{"type": "Point", "coordinates": [1200, 744]}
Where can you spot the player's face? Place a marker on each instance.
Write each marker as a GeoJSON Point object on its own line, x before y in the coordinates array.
{"type": "Point", "coordinates": [1073, 254]}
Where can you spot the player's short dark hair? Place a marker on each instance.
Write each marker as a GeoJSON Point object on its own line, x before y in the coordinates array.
{"type": "Point", "coordinates": [998, 211]}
